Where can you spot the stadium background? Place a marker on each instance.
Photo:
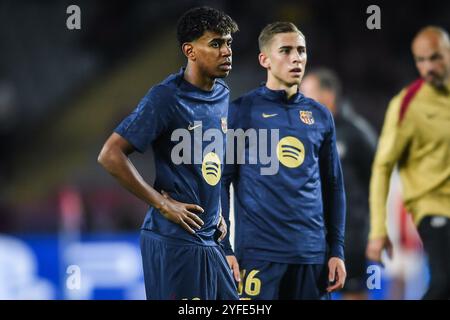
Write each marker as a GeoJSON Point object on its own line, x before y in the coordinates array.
{"type": "Point", "coordinates": [63, 91]}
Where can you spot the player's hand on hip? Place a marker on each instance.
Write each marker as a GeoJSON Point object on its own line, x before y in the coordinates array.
{"type": "Point", "coordinates": [234, 266]}
{"type": "Point", "coordinates": [376, 246]}
{"type": "Point", "coordinates": [336, 274]}
{"type": "Point", "coordinates": [181, 213]}
{"type": "Point", "coordinates": [222, 226]}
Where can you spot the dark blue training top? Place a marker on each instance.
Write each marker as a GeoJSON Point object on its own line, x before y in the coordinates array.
{"type": "Point", "coordinates": [176, 104]}
{"type": "Point", "coordinates": [298, 214]}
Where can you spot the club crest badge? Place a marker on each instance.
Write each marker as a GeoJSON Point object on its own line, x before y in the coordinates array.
{"type": "Point", "coordinates": [306, 117]}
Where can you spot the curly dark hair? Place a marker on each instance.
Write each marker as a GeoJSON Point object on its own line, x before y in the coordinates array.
{"type": "Point", "coordinates": [194, 22]}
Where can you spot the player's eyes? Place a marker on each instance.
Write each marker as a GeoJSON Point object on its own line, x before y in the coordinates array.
{"type": "Point", "coordinates": [214, 44]}
{"type": "Point", "coordinates": [435, 57]}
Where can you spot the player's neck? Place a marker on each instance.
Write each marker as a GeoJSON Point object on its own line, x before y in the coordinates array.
{"type": "Point", "coordinates": [332, 107]}
{"type": "Point", "coordinates": [198, 79]}
{"type": "Point", "coordinates": [277, 85]}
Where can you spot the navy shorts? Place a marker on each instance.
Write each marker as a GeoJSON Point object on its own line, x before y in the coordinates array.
{"type": "Point", "coordinates": [265, 280]}
{"type": "Point", "coordinates": [174, 271]}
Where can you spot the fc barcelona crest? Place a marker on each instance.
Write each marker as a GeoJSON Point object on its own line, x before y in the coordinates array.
{"type": "Point", "coordinates": [223, 122]}
{"type": "Point", "coordinates": [306, 117]}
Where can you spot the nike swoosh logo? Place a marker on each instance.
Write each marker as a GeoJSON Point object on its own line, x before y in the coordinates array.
{"type": "Point", "coordinates": [265, 115]}
{"type": "Point", "coordinates": [190, 127]}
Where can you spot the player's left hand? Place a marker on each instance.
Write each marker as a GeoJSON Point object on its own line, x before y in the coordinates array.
{"type": "Point", "coordinates": [222, 226]}
{"type": "Point", "coordinates": [336, 274]}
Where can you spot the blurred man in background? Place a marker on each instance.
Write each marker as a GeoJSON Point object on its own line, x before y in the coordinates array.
{"type": "Point", "coordinates": [181, 257]}
{"type": "Point", "coordinates": [290, 223]}
{"type": "Point", "coordinates": [416, 138]}
{"type": "Point", "coordinates": [356, 147]}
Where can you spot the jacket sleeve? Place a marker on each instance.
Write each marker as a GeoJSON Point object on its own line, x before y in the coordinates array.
{"type": "Point", "coordinates": [333, 192]}
{"type": "Point", "coordinates": [394, 140]}
{"type": "Point", "coordinates": [230, 173]}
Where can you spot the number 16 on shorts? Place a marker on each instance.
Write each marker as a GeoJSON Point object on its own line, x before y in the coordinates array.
{"type": "Point", "coordinates": [250, 284]}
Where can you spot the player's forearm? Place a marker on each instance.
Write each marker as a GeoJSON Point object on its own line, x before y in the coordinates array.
{"type": "Point", "coordinates": [119, 166]}
{"type": "Point", "coordinates": [391, 147]}
{"type": "Point", "coordinates": [333, 196]}
{"type": "Point", "coordinates": [225, 202]}
{"type": "Point", "coordinates": [379, 188]}
{"type": "Point", "coordinates": [336, 225]}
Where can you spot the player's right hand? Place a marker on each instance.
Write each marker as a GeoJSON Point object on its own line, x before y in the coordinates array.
{"type": "Point", "coordinates": [376, 246]}
{"type": "Point", "coordinates": [234, 266]}
{"type": "Point", "coordinates": [181, 213]}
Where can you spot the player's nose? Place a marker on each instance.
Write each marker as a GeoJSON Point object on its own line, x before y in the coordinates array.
{"type": "Point", "coordinates": [297, 57]}
{"type": "Point", "coordinates": [226, 51]}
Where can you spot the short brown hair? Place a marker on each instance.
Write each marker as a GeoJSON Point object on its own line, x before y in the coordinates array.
{"type": "Point", "coordinates": [274, 28]}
